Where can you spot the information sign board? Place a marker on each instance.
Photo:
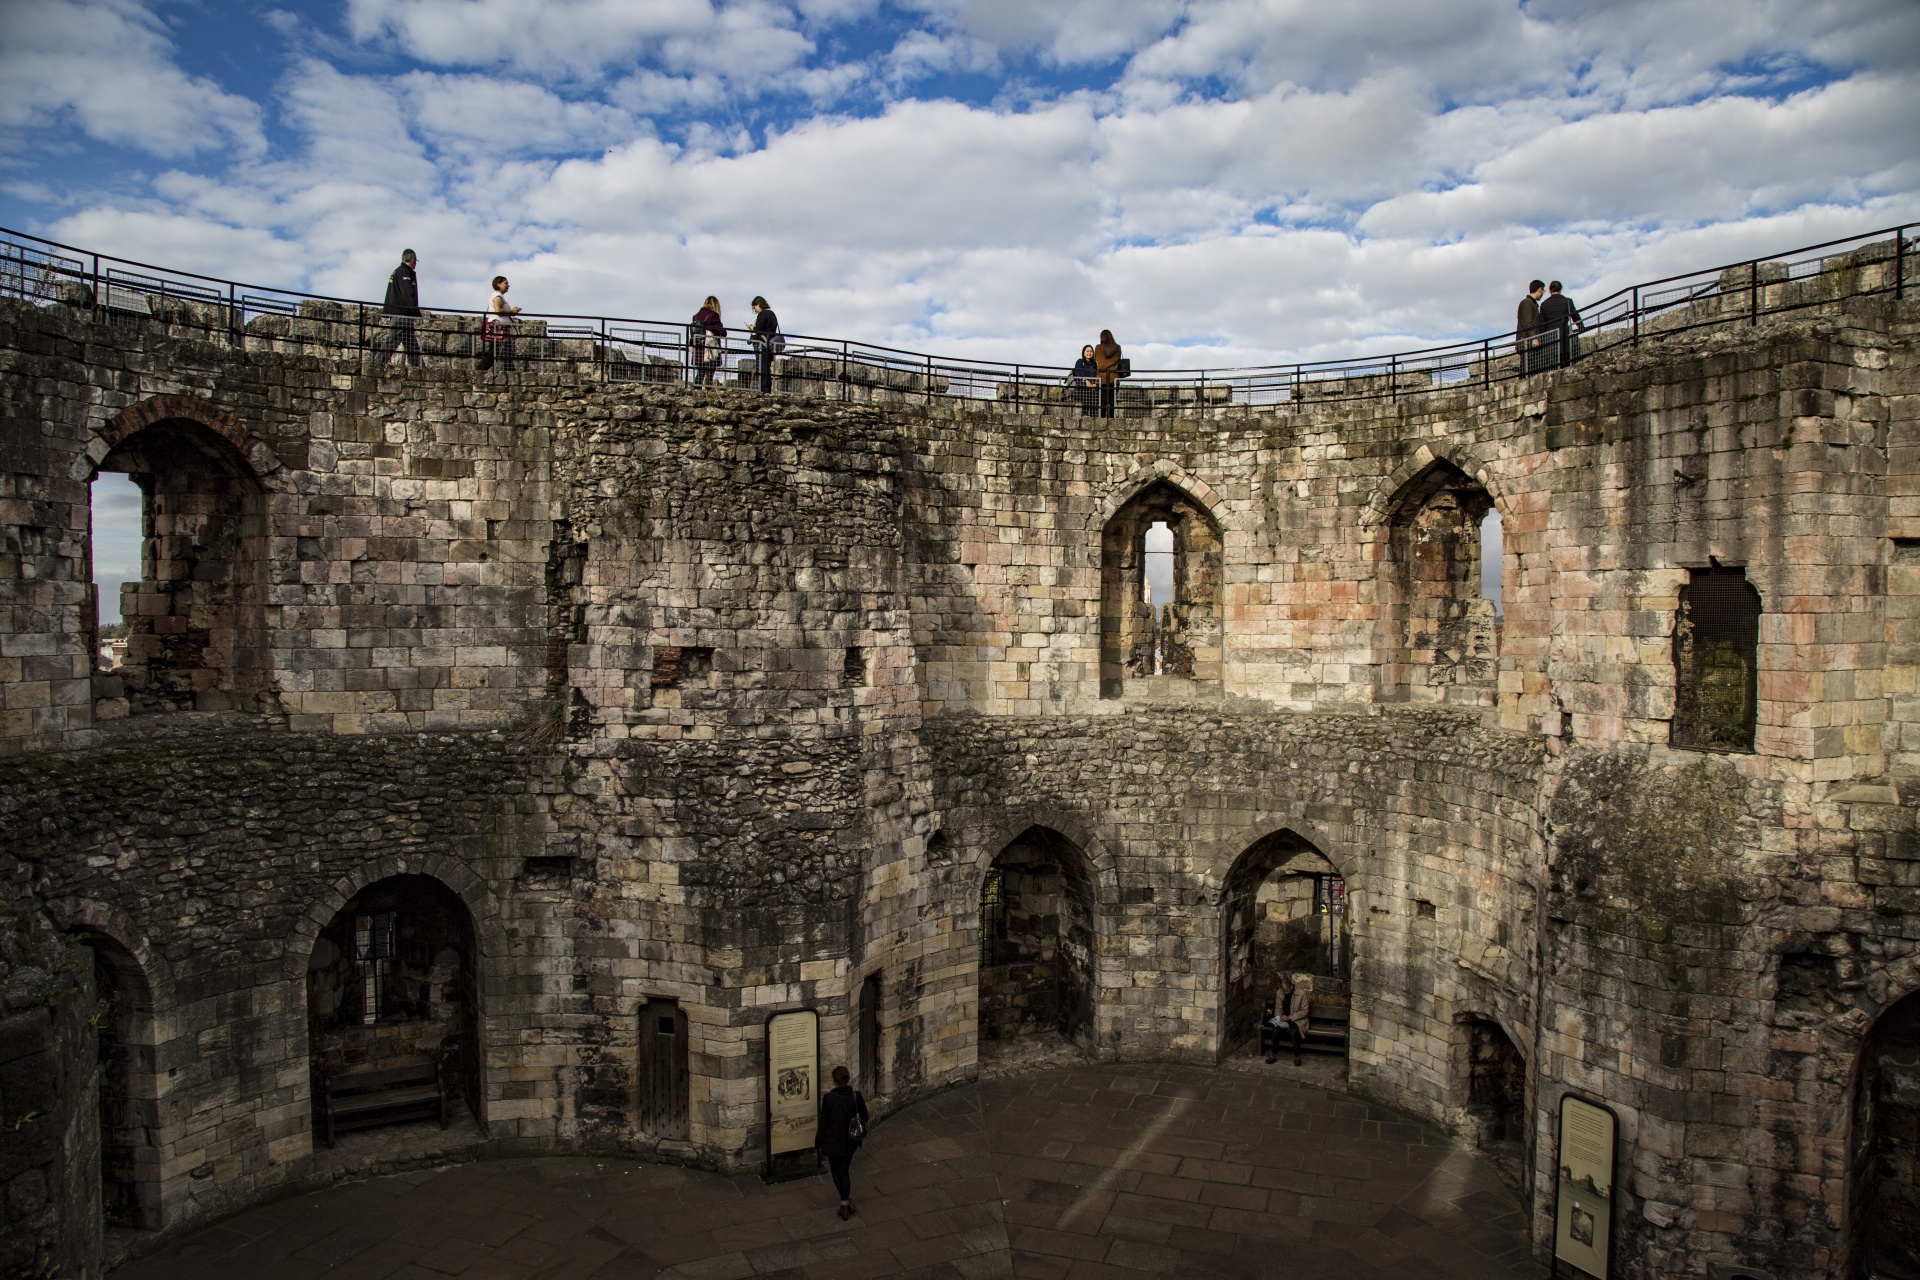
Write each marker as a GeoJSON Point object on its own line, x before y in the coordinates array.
{"type": "Point", "coordinates": [793, 1081]}
{"type": "Point", "coordinates": [1583, 1204]}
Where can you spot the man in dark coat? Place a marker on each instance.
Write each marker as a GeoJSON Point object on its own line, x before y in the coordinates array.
{"type": "Point", "coordinates": [1558, 318]}
{"type": "Point", "coordinates": [1526, 327]}
{"type": "Point", "coordinates": [766, 341]}
{"type": "Point", "coordinates": [834, 1138]}
{"type": "Point", "coordinates": [402, 310]}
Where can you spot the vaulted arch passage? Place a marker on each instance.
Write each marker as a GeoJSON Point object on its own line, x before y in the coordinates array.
{"type": "Point", "coordinates": [391, 987]}
{"type": "Point", "coordinates": [1285, 915]}
{"type": "Point", "coordinates": [1884, 1178]}
{"type": "Point", "coordinates": [1037, 940]}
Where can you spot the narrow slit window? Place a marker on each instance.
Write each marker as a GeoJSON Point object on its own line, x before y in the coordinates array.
{"type": "Point", "coordinates": [119, 518]}
{"type": "Point", "coordinates": [1492, 559]}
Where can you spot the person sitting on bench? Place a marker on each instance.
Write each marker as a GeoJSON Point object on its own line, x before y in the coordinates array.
{"type": "Point", "coordinates": [1282, 1017]}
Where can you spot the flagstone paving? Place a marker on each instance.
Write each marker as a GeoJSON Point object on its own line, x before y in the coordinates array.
{"type": "Point", "coordinates": [1066, 1174]}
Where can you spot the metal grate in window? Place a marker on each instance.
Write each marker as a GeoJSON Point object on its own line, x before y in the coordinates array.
{"type": "Point", "coordinates": [993, 916]}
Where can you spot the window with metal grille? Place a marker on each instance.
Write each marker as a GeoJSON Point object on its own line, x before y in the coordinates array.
{"type": "Point", "coordinates": [373, 948]}
{"type": "Point", "coordinates": [993, 916]}
{"type": "Point", "coordinates": [1716, 644]}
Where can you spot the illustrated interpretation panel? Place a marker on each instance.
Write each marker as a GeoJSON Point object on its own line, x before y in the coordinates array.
{"type": "Point", "coordinates": [1583, 1210]}
{"type": "Point", "coordinates": [793, 1080]}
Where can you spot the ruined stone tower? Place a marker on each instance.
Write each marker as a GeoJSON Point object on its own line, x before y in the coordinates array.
{"type": "Point", "coordinates": [567, 728]}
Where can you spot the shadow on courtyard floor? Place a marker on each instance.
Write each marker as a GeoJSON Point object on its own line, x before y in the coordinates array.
{"type": "Point", "coordinates": [1073, 1171]}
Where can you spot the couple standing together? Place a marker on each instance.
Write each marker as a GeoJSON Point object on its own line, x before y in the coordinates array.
{"type": "Point", "coordinates": [1096, 375]}
{"type": "Point", "coordinates": [707, 340]}
{"type": "Point", "coordinates": [1543, 331]}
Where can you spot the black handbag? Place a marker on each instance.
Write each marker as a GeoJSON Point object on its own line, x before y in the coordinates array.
{"type": "Point", "coordinates": [1126, 368]}
{"type": "Point", "coordinates": [483, 361]}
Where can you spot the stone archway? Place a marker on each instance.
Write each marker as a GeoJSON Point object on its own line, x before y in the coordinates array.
{"type": "Point", "coordinates": [392, 982]}
{"type": "Point", "coordinates": [1883, 1180]}
{"type": "Point", "coordinates": [1284, 912]}
{"type": "Point", "coordinates": [1036, 938]}
{"type": "Point", "coordinates": [130, 1163]}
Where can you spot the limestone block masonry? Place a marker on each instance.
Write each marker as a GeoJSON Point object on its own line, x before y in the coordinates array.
{"type": "Point", "coordinates": [701, 697]}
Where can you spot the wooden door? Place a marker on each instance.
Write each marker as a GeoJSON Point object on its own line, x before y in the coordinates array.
{"type": "Point", "coordinates": [664, 1080]}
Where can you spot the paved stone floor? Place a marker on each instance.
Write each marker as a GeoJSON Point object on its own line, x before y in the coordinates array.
{"type": "Point", "coordinates": [1073, 1172]}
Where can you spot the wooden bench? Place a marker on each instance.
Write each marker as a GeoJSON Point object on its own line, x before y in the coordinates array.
{"type": "Point", "coordinates": [386, 1095]}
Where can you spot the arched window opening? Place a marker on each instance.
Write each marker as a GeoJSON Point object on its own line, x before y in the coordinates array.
{"type": "Point", "coordinates": [192, 621]}
{"type": "Point", "coordinates": [1286, 916]}
{"type": "Point", "coordinates": [391, 994]}
{"type": "Point", "coordinates": [1160, 576]}
{"type": "Point", "coordinates": [1037, 942]}
{"type": "Point", "coordinates": [1496, 1088]}
{"type": "Point", "coordinates": [1716, 648]}
{"type": "Point", "coordinates": [1884, 1165]}
{"type": "Point", "coordinates": [666, 1081]}
{"type": "Point", "coordinates": [1443, 620]}
{"type": "Point", "coordinates": [119, 520]}
{"type": "Point", "coordinates": [129, 1117]}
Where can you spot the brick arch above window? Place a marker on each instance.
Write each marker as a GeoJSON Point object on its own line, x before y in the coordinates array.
{"type": "Point", "coordinates": [259, 457]}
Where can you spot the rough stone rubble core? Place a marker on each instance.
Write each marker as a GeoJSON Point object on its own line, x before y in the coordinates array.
{"type": "Point", "coordinates": [582, 654]}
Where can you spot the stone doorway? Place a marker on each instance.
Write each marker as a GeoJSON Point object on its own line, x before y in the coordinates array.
{"type": "Point", "coordinates": [1037, 942]}
{"type": "Point", "coordinates": [391, 983]}
{"type": "Point", "coordinates": [129, 1162]}
{"type": "Point", "coordinates": [1286, 914]}
{"type": "Point", "coordinates": [1884, 1185]}
{"type": "Point", "coordinates": [1496, 1091]}
{"type": "Point", "coordinates": [665, 1080]}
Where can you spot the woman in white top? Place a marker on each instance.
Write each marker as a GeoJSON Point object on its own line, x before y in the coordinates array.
{"type": "Point", "coordinates": [500, 323]}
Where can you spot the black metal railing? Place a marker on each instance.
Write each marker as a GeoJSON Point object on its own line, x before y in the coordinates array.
{"type": "Point", "coordinates": [260, 319]}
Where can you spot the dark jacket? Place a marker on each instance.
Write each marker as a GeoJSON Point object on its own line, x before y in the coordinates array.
{"type": "Point", "coordinates": [1527, 322]}
{"type": "Point", "coordinates": [837, 1109]}
{"type": "Point", "coordinates": [1558, 312]}
{"type": "Point", "coordinates": [403, 293]}
{"type": "Point", "coordinates": [1106, 357]}
{"type": "Point", "coordinates": [1084, 370]}
{"type": "Point", "coordinates": [707, 318]}
{"type": "Point", "coordinates": [765, 325]}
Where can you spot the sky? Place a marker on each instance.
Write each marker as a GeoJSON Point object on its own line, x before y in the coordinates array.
{"type": "Point", "coordinates": [1220, 182]}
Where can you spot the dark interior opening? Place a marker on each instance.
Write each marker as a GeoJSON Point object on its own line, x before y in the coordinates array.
{"type": "Point", "coordinates": [1716, 649]}
{"type": "Point", "coordinates": [1037, 940]}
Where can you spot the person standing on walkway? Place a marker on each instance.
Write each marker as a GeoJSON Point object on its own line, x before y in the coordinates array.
{"type": "Point", "coordinates": [499, 323]}
{"type": "Point", "coordinates": [843, 1127]}
{"type": "Point", "coordinates": [767, 341]}
{"type": "Point", "coordinates": [1526, 326]}
{"type": "Point", "coordinates": [401, 310]}
{"type": "Point", "coordinates": [1084, 381]}
{"type": "Point", "coordinates": [1106, 359]}
{"type": "Point", "coordinates": [706, 337]}
{"type": "Point", "coordinates": [1558, 319]}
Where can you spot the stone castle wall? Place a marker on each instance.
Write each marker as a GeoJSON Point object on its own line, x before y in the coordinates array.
{"type": "Point", "coordinates": [732, 701]}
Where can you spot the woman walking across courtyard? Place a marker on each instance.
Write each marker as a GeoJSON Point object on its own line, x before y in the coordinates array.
{"type": "Point", "coordinates": [843, 1127]}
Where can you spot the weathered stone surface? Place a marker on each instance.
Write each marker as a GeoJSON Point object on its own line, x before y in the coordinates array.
{"type": "Point", "coordinates": [586, 653]}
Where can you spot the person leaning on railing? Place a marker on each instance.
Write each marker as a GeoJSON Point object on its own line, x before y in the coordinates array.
{"type": "Point", "coordinates": [706, 338]}
{"type": "Point", "coordinates": [401, 311]}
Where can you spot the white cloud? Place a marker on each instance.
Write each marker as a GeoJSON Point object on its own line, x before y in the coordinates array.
{"type": "Point", "coordinates": [1358, 178]}
{"type": "Point", "coordinates": [582, 38]}
{"type": "Point", "coordinates": [109, 67]}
